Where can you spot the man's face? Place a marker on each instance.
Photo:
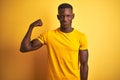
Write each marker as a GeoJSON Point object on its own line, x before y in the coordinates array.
{"type": "Point", "coordinates": [65, 17]}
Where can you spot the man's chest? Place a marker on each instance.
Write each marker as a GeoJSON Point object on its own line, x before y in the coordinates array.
{"type": "Point", "coordinates": [70, 42]}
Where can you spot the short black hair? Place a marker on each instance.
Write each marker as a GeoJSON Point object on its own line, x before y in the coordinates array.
{"type": "Point", "coordinates": [65, 5]}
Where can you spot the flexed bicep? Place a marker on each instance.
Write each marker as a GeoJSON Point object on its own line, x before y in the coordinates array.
{"type": "Point", "coordinates": [35, 44]}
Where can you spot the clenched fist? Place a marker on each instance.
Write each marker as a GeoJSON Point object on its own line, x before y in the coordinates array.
{"type": "Point", "coordinates": [36, 23]}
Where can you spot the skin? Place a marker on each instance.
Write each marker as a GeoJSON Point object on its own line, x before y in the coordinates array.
{"type": "Point", "coordinates": [27, 44]}
{"type": "Point", "coordinates": [83, 54]}
{"type": "Point", "coordinates": [65, 16]}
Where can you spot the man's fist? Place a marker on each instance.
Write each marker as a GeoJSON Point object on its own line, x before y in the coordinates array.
{"type": "Point", "coordinates": [37, 23]}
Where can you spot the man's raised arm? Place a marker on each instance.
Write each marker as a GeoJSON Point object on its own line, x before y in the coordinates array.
{"type": "Point", "coordinates": [27, 44]}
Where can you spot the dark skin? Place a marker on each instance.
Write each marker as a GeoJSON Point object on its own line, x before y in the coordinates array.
{"type": "Point", "coordinates": [83, 54]}
{"type": "Point", "coordinates": [27, 44]}
{"type": "Point", "coordinates": [65, 16]}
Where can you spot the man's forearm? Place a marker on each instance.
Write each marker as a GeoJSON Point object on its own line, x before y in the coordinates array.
{"type": "Point", "coordinates": [26, 40]}
{"type": "Point", "coordinates": [84, 71]}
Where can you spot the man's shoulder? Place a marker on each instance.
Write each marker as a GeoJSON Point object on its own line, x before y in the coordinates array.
{"type": "Point", "coordinates": [79, 32]}
{"type": "Point", "coordinates": [51, 31]}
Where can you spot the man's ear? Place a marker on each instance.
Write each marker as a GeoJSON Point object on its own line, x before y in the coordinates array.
{"type": "Point", "coordinates": [73, 16]}
{"type": "Point", "coordinates": [58, 17]}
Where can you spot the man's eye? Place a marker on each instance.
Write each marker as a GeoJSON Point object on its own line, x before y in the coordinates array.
{"type": "Point", "coordinates": [61, 16]}
{"type": "Point", "coordinates": [64, 16]}
{"type": "Point", "coordinates": [68, 15]}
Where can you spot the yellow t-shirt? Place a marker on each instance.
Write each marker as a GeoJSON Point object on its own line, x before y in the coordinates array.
{"type": "Point", "coordinates": [63, 53]}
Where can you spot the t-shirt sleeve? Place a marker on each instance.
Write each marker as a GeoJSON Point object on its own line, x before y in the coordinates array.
{"type": "Point", "coordinates": [83, 42]}
{"type": "Point", "coordinates": [43, 38]}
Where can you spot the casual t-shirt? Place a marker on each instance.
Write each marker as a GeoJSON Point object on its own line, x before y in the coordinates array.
{"type": "Point", "coordinates": [63, 52]}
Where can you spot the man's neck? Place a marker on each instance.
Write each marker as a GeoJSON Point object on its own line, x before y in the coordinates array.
{"type": "Point", "coordinates": [66, 30]}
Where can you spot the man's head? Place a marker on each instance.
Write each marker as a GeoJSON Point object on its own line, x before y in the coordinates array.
{"type": "Point", "coordinates": [64, 5]}
{"type": "Point", "coordinates": [65, 15]}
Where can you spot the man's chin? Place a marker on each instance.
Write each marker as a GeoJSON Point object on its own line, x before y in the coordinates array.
{"type": "Point", "coordinates": [65, 26]}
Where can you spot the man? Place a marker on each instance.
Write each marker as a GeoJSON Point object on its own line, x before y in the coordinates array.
{"type": "Point", "coordinates": [66, 46]}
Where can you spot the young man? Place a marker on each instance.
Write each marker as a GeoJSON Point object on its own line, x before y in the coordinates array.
{"type": "Point", "coordinates": [66, 46]}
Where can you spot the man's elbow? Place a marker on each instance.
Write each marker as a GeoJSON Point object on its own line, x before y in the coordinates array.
{"type": "Point", "coordinates": [23, 50]}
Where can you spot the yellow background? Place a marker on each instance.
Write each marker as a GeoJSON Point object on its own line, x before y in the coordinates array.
{"type": "Point", "coordinates": [98, 19]}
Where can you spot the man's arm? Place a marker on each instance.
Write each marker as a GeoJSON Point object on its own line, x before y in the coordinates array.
{"type": "Point", "coordinates": [83, 54]}
{"type": "Point", "coordinates": [27, 44]}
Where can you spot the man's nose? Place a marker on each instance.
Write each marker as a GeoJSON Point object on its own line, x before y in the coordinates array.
{"type": "Point", "coordinates": [65, 18]}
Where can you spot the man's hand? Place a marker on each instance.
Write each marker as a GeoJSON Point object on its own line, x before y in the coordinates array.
{"type": "Point", "coordinates": [36, 23]}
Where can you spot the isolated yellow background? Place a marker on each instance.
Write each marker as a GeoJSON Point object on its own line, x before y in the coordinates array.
{"type": "Point", "coordinates": [98, 19]}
